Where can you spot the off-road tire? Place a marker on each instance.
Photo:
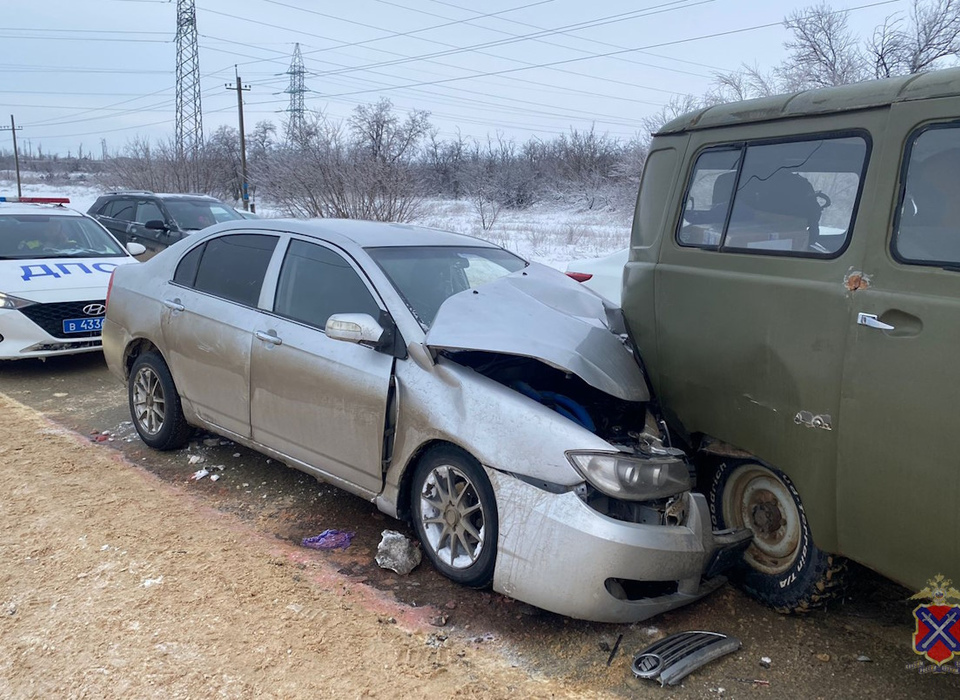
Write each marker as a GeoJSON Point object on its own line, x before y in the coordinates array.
{"type": "Point", "coordinates": [172, 432]}
{"type": "Point", "coordinates": [471, 484]}
{"type": "Point", "coordinates": [800, 582]}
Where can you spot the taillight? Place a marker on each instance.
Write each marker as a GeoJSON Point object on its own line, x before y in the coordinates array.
{"type": "Point", "coordinates": [580, 276]}
{"type": "Point", "coordinates": [109, 287]}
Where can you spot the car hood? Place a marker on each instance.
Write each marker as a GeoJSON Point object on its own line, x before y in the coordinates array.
{"type": "Point", "coordinates": [57, 279]}
{"type": "Point", "coordinates": [541, 313]}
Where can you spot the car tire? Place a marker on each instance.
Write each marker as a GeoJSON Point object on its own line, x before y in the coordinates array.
{"type": "Point", "coordinates": [782, 567]}
{"type": "Point", "coordinates": [155, 404]}
{"type": "Point", "coordinates": [454, 512]}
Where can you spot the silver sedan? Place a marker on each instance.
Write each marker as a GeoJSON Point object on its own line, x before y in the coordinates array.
{"type": "Point", "coordinates": [493, 402]}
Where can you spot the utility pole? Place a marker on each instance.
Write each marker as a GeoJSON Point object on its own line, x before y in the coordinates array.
{"type": "Point", "coordinates": [16, 155]}
{"type": "Point", "coordinates": [240, 87]}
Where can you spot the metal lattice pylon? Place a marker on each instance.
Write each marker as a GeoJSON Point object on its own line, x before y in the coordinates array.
{"type": "Point", "coordinates": [296, 125]}
{"type": "Point", "coordinates": [189, 128]}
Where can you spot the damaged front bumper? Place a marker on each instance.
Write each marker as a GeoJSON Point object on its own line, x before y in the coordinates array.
{"type": "Point", "coordinates": [557, 553]}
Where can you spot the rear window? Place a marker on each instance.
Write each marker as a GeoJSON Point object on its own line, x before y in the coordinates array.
{"type": "Point", "coordinates": [233, 267]}
{"type": "Point", "coordinates": [789, 198]}
{"type": "Point", "coordinates": [927, 231]}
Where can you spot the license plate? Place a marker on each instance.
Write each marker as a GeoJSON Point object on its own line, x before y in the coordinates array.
{"type": "Point", "coordinates": [82, 325]}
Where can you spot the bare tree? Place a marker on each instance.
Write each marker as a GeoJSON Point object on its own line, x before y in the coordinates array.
{"type": "Point", "coordinates": [902, 46]}
{"type": "Point", "coordinates": [823, 51]}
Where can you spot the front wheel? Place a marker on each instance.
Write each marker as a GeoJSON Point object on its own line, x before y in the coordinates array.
{"type": "Point", "coordinates": [782, 567]}
{"type": "Point", "coordinates": [455, 515]}
{"type": "Point", "coordinates": [155, 404]}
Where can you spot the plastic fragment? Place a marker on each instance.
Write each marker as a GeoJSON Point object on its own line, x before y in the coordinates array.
{"type": "Point", "coordinates": [199, 474]}
{"type": "Point", "coordinates": [214, 477]}
{"type": "Point", "coordinates": [329, 539]}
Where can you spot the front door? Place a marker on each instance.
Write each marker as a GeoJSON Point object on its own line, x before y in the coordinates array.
{"type": "Point", "coordinates": [899, 467]}
{"type": "Point", "coordinates": [751, 305]}
{"type": "Point", "coordinates": [318, 400]}
{"type": "Point", "coordinates": [209, 318]}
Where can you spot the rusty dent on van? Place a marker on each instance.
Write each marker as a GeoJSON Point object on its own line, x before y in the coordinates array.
{"type": "Point", "coordinates": [793, 288]}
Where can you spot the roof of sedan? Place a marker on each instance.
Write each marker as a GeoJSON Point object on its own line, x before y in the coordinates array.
{"type": "Point", "coordinates": [369, 234]}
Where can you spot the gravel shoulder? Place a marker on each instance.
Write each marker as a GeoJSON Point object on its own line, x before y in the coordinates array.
{"type": "Point", "coordinates": [114, 584]}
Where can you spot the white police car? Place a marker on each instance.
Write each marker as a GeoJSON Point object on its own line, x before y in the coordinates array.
{"type": "Point", "coordinates": [55, 266]}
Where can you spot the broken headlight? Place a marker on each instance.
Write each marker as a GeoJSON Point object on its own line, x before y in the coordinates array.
{"type": "Point", "coordinates": [8, 301]}
{"type": "Point", "coordinates": [632, 478]}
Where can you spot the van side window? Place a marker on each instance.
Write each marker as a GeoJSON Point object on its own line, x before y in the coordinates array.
{"type": "Point", "coordinates": [927, 231]}
{"type": "Point", "coordinates": [708, 197]}
{"type": "Point", "coordinates": [790, 198]}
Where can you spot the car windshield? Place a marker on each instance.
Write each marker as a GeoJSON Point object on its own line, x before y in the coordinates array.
{"type": "Point", "coordinates": [195, 214]}
{"type": "Point", "coordinates": [427, 276]}
{"type": "Point", "coordinates": [42, 236]}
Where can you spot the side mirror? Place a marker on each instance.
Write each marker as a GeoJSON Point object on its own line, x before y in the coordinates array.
{"type": "Point", "coordinates": [354, 328]}
{"type": "Point", "coordinates": [155, 225]}
{"type": "Point", "coordinates": [136, 249]}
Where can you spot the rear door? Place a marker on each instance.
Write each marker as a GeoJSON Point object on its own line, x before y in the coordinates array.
{"type": "Point", "coordinates": [751, 306]}
{"type": "Point", "coordinates": [321, 401]}
{"type": "Point", "coordinates": [899, 476]}
{"type": "Point", "coordinates": [209, 318]}
{"type": "Point", "coordinates": [155, 240]}
{"type": "Point", "coordinates": [117, 215]}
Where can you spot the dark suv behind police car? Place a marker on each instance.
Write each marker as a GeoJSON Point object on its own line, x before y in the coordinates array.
{"type": "Point", "coordinates": [158, 220]}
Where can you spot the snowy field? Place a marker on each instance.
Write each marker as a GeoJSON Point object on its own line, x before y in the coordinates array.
{"type": "Point", "coordinates": [546, 233]}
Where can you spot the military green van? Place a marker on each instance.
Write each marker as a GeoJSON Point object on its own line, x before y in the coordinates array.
{"type": "Point", "coordinates": [793, 290]}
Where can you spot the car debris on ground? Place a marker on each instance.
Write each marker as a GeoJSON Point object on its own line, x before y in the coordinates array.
{"type": "Point", "coordinates": [397, 553]}
{"type": "Point", "coordinates": [329, 539]}
{"type": "Point", "coordinates": [673, 658]}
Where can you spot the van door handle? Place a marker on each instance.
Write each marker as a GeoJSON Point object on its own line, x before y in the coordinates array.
{"type": "Point", "coordinates": [173, 304]}
{"type": "Point", "coordinates": [871, 321]}
{"type": "Point", "coordinates": [268, 336]}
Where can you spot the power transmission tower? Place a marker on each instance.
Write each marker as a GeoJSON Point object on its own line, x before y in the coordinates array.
{"type": "Point", "coordinates": [16, 154]}
{"type": "Point", "coordinates": [189, 128]}
{"type": "Point", "coordinates": [296, 125]}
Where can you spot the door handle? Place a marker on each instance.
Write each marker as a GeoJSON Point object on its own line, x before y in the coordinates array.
{"type": "Point", "coordinates": [268, 336]}
{"type": "Point", "coordinates": [871, 321]}
{"type": "Point", "coordinates": [173, 304]}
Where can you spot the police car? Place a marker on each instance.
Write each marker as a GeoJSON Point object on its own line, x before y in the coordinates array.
{"type": "Point", "coordinates": [55, 266]}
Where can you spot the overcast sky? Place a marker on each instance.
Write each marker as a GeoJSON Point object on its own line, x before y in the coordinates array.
{"type": "Point", "coordinates": [78, 71]}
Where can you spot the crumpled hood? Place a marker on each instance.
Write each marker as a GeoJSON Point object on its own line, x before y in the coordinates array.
{"type": "Point", "coordinates": [541, 313]}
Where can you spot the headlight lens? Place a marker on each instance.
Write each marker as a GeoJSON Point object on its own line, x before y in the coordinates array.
{"type": "Point", "coordinates": [11, 302]}
{"type": "Point", "coordinates": [632, 478]}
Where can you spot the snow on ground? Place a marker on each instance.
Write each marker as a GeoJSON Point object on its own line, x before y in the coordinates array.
{"type": "Point", "coordinates": [547, 233]}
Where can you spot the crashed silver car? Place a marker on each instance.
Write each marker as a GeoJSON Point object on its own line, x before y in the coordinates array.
{"type": "Point", "coordinates": [493, 402]}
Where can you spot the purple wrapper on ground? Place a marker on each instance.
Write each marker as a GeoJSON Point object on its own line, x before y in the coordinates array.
{"type": "Point", "coordinates": [329, 539]}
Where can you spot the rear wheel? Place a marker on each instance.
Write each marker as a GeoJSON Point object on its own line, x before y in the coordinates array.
{"type": "Point", "coordinates": [782, 567]}
{"type": "Point", "coordinates": [155, 404]}
{"type": "Point", "coordinates": [455, 515]}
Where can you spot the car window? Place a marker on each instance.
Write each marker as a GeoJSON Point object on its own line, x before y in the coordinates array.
{"type": "Point", "coordinates": [186, 273]}
{"type": "Point", "coordinates": [791, 198]}
{"type": "Point", "coordinates": [195, 214]}
{"type": "Point", "coordinates": [122, 209]}
{"type": "Point", "coordinates": [233, 267]}
{"type": "Point", "coordinates": [426, 276]}
{"type": "Point", "coordinates": [927, 231]}
{"type": "Point", "coordinates": [315, 283]}
{"type": "Point", "coordinates": [40, 236]}
{"type": "Point", "coordinates": [148, 211]}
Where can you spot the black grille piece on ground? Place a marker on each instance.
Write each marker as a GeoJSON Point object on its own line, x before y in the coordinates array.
{"type": "Point", "coordinates": [671, 659]}
{"type": "Point", "coordinates": [50, 317]}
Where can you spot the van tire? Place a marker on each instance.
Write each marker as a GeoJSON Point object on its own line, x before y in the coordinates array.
{"type": "Point", "coordinates": [782, 567]}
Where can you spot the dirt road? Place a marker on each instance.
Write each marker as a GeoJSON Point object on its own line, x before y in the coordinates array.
{"type": "Point", "coordinates": [114, 585]}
